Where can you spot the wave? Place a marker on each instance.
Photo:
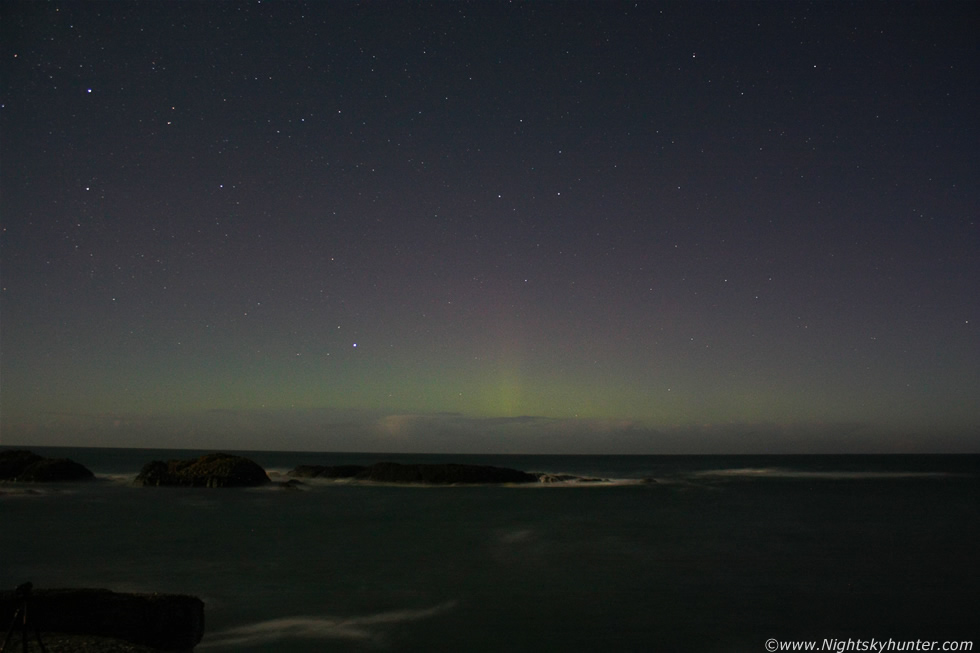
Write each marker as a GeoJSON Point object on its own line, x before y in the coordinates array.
{"type": "Point", "coordinates": [21, 491]}
{"type": "Point", "coordinates": [546, 480]}
{"type": "Point", "coordinates": [581, 481]}
{"type": "Point", "coordinates": [119, 479]}
{"type": "Point", "coordinates": [778, 472]}
{"type": "Point", "coordinates": [364, 628]}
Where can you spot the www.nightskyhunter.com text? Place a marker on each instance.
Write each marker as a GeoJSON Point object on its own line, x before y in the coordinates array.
{"type": "Point", "coordinates": [870, 645]}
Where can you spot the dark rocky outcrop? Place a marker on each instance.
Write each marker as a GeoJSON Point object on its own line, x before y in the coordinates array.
{"type": "Point", "coordinates": [28, 467]}
{"type": "Point", "coordinates": [168, 622]}
{"type": "Point", "coordinates": [435, 474]}
{"type": "Point", "coordinates": [443, 474]}
{"type": "Point", "coordinates": [212, 470]}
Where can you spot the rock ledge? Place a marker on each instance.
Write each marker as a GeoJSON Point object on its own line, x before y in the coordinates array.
{"type": "Point", "coordinates": [166, 622]}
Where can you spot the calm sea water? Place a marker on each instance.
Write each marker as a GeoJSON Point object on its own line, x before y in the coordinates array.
{"type": "Point", "coordinates": [719, 555]}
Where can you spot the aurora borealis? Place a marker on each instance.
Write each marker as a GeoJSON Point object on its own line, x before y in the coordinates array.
{"type": "Point", "coordinates": [595, 227]}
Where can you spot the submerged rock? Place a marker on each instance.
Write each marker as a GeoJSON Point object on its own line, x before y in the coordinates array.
{"type": "Point", "coordinates": [28, 467]}
{"type": "Point", "coordinates": [168, 622]}
{"type": "Point", "coordinates": [212, 470]}
{"type": "Point", "coordinates": [291, 484]}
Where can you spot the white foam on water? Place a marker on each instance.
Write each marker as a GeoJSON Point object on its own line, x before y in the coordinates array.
{"type": "Point", "coordinates": [742, 471]}
{"type": "Point", "coordinates": [119, 479]}
{"type": "Point", "coordinates": [12, 491]}
{"type": "Point", "coordinates": [863, 475]}
{"type": "Point", "coordinates": [581, 482]}
{"type": "Point", "coordinates": [515, 536]}
{"type": "Point", "coordinates": [363, 628]}
{"type": "Point", "coordinates": [777, 472]}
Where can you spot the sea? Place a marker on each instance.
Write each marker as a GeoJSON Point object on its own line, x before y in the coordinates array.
{"type": "Point", "coordinates": [669, 553]}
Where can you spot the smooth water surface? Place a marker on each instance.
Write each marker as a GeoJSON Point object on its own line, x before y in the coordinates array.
{"type": "Point", "coordinates": [720, 554]}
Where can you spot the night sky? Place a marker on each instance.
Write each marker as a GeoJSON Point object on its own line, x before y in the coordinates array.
{"type": "Point", "coordinates": [576, 227]}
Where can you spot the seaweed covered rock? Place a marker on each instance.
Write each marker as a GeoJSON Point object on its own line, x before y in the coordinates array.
{"type": "Point", "coordinates": [212, 470]}
{"type": "Point", "coordinates": [28, 467]}
{"type": "Point", "coordinates": [168, 622]}
{"type": "Point", "coordinates": [443, 474]}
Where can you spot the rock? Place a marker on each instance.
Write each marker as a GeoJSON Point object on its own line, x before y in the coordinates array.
{"type": "Point", "coordinates": [63, 643]}
{"type": "Point", "coordinates": [555, 478]}
{"type": "Point", "coordinates": [306, 471]}
{"type": "Point", "coordinates": [567, 478]}
{"type": "Point", "coordinates": [12, 463]}
{"type": "Point", "coordinates": [168, 622]}
{"type": "Point", "coordinates": [212, 470]}
{"type": "Point", "coordinates": [291, 484]}
{"type": "Point", "coordinates": [55, 469]}
{"type": "Point", "coordinates": [443, 474]}
{"type": "Point", "coordinates": [325, 471]}
{"type": "Point", "coordinates": [28, 467]}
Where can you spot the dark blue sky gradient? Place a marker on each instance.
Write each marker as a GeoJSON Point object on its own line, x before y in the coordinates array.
{"type": "Point", "coordinates": [557, 227]}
